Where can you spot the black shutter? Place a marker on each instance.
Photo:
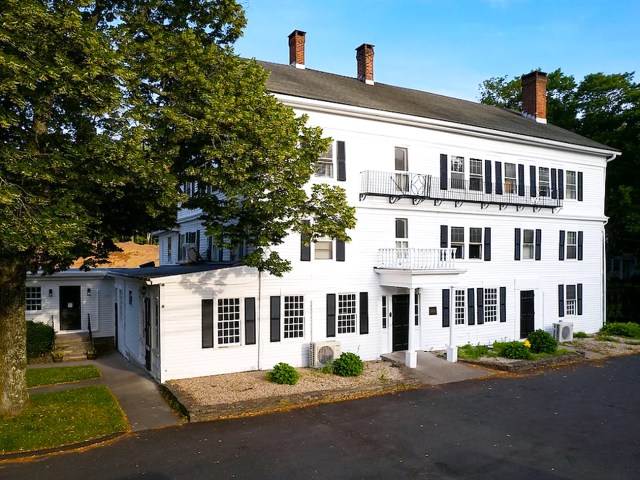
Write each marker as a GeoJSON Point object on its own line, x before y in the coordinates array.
{"type": "Point", "coordinates": [487, 176]}
{"type": "Point", "coordinates": [471, 317]}
{"type": "Point", "coordinates": [580, 244]}
{"type": "Point", "coordinates": [499, 178]}
{"type": "Point", "coordinates": [561, 300]}
{"type": "Point", "coordinates": [275, 319]}
{"type": "Point", "coordinates": [538, 244]}
{"type": "Point", "coordinates": [560, 184]}
{"type": "Point", "coordinates": [480, 308]}
{"type": "Point", "coordinates": [444, 236]}
{"type": "Point", "coordinates": [579, 299]}
{"type": "Point", "coordinates": [342, 162]}
{"type": "Point", "coordinates": [580, 187]}
{"type": "Point", "coordinates": [305, 250]}
{"type": "Point", "coordinates": [487, 244]}
{"type": "Point", "coordinates": [339, 250]}
{"type": "Point", "coordinates": [209, 248]}
{"type": "Point", "coordinates": [561, 246]}
{"type": "Point", "coordinates": [197, 244]}
{"type": "Point", "coordinates": [331, 314]}
{"type": "Point", "coordinates": [250, 321]}
{"type": "Point", "coordinates": [532, 181]}
{"type": "Point", "coordinates": [554, 184]}
{"type": "Point", "coordinates": [443, 171]}
{"type": "Point", "coordinates": [516, 249]}
{"type": "Point", "coordinates": [521, 180]}
{"type": "Point", "coordinates": [503, 304]}
{"type": "Point", "coordinates": [445, 307]}
{"type": "Point", "coordinates": [207, 323]}
{"type": "Point", "coordinates": [364, 313]}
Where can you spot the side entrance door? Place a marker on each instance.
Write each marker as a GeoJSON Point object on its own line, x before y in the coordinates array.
{"type": "Point", "coordinates": [527, 313]}
{"type": "Point", "coordinates": [400, 322]}
{"type": "Point", "coordinates": [70, 310]}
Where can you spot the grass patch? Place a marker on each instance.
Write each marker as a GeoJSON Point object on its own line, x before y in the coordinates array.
{"type": "Point", "coordinates": [37, 377]}
{"type": "Point", "coordinates": [62, 418]}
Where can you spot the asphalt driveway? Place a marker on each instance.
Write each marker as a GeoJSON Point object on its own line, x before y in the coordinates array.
{"type": "Point", "coordinates": [578, 422]}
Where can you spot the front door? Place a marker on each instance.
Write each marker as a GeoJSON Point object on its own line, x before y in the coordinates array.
{"type": "Point", "coordinates": [527, 313]}
{"type": "Point", "coordinates": [147, 332]}
{"type": "Point", "coordinates": [70, 311]}
{"type": "Point", "coordinates": [400, 322]}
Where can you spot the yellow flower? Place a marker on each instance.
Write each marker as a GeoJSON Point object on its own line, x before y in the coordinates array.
{"type": "Point", "coordinates": [527, 343]}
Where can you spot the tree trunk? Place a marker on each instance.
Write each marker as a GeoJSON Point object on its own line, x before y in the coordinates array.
{"type": "Point", "coordinates": [13, 336]}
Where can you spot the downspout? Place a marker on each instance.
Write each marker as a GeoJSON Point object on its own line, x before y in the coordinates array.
{"type": "Point", "coordinates": [259, 319]}
{"type": "Point", "coordinates": [604, 249]}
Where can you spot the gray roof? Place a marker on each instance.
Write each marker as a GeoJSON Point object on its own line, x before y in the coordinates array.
{"type": "Point", "coordinates": [316, 85]}
{"type": "Point", "coordinates": [170, 270]}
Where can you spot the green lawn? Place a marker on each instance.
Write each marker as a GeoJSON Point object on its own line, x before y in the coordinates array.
{"type": "Point", "coordinates": [37, 377]}
{"type": "Point", "coordinates": [62, 418]}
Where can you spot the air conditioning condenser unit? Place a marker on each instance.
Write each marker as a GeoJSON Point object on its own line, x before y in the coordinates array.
{"type": "Point", "coordinates": [563, 331]}
{"type": "Point", "coordinates": [323, 353]}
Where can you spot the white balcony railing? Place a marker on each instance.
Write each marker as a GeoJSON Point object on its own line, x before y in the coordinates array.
{"type": "Point", "coordinates": [416, 258]}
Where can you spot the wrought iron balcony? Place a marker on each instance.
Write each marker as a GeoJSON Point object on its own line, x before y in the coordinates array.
{"type": "Point", "coordinates": [419, 187]}
{"type": "Point", "coordinates": [416, 258]}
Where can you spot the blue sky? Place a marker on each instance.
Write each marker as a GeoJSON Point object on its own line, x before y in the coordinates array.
{"type": "Point", "coordinates": [449, 46]}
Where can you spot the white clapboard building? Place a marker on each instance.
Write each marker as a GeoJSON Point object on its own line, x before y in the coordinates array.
{"type": "Point", "coordinates": [474, 224]}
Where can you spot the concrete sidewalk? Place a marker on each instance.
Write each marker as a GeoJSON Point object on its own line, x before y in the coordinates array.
{"type": "Point", "coordinates": [434, 370]}
{"type": "Point", "coordinates": [137, 393]}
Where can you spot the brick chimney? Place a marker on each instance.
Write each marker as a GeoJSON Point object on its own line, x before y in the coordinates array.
{"type": "Point", "coordinates": [364, 56]}
{"type": "Point", "coordinates": [296, 49]}
{"type": "Point", "coordinates": [534, 96]}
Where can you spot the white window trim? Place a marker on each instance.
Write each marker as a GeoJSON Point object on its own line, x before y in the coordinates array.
{"type": "Point", "coordinates": [490, 294]}
{"type": "Point", "coordinates": [324, 240]}
{"type": "Point", "coordinates": [547, 182]}
{"type": "Point", "coordinates": [459, 307]}
{"type": "Point", "coordinates": [30, 299]}
{"type": "Point", "coordinates": [217, 320]}
{"type": "Point", "coordinates": [347, 314]}
{"type": "Point", "coordinates": [469, 243]}
{"type": "Point", "coordinates": [574, 245]}
{"type": "Point", "coordinates": [326, 161]}
{"type": "Point", "coordinates": [574, 185]}
{"type": "Point", "coordinates": [301, 301]}
{"type": "Point", "coordinates": [532, 243]}
{"type": "Point", "coordinates": [573, 303]}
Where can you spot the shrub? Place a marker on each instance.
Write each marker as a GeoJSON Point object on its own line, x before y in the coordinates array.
{"type": "Point", "coordinates": [629, 329]}
{"type": "Point", "coordinates": [328, 368]}
{"type": "Point", "coordinates": [39, 339]}
{"type": "Point", "coordinates": [542, 342]}
{"type": "Point", "coordinates": [284, 374]}
{"type": "Point", "coordinates": [348, 365]}
{"type": "Point", "coordinates": [515, 349]}
{"type": "Point", "coordinates": [473, 352]}
{"type": "Point", "coordinates": [580, 334]}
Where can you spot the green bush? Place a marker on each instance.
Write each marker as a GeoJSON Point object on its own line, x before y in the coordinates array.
{"type": "Point", "coordinates": [515, 349]}
{"type": "Point", "coordinates": [580, 334]}
{"type": "Point", "coordinates": [328, 368]}
{"type": "Point", "coordinates": [39, 339]}
{"type": "Point", "coordinates": [629, 329]}
{"type": "Point", "coordinates": [473, 352]}
{"type": "Point", "coordinates": [284, 374]}
{"type": "Point", "coordinates": [348, 365]}
{"type": "Point", "coordinates": [542, 342]}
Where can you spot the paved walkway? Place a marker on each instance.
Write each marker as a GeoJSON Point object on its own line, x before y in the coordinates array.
{"type": "Point", "coordinates": [138, 395]}
{"type": "Point", "coordinates": [434, 370]}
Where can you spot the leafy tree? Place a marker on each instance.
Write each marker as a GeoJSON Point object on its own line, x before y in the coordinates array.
{"type": "Point", "coordinates": [107, 106]}
{"type": "Point", "coordinates": [605, 108]}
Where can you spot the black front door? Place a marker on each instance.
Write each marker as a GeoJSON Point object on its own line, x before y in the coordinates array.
{"type": "Point", "coordinates": [70, 312]}
{"type": "Point", "coordinates": [400, 321]}
{"type": "Point", "coordinates": [527, 313]}
{"type": "Point", "coordinates": [147, 332]}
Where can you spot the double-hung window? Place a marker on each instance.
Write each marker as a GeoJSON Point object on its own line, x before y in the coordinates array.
{"type": "Point", "coordinates": [33, 299]}
{"type": "Point", "coordinates": [490, 305]}
{"type": "Point", "coordinates": [475, 243]}
{"type": "Point", "coordinates": [510, 178]}
{"type": "Point", "coordinates": [544, 187]}
{"type": "Point", "coordinates": [572, 245]}
{"type": "Point", "coordinates": [324, 167]}
{"type": "Point", "coordinates": [457, 172]}
{"type": "Point", "coordinates": [323, 249]}
{"type": "Point", "coordinates": [571, 301]}
{"type": "Point", "coordinates": [293, 316]}
{"type": "Point", "coordinates": [228, 325]}
{"type": "Point", "coordinates": [457, 241]}
{"type": "Point", "coordinates": [475, 174]}
{"type": "Point", "coordinates": [459, 310]}
{"type": "Point", "coordinates": [528, 244]}
{"type": "Point", "coordinates": [402, 167]}
{"type": "Point", "coordinates": [571, 185]}
{"type": "Point", "coordinates": [347, 313]}
{"type": "Point", "coordinates": [402, 233]}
